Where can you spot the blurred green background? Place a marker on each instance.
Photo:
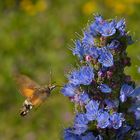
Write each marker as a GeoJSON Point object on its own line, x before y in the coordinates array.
{"type": "Point", "coordinates": [35, 36]}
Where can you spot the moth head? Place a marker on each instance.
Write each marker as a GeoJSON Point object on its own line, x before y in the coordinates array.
{"type": "Point", "coordinates": [48, 88]}
{"type": "Point", "coordinates": [51, 87]}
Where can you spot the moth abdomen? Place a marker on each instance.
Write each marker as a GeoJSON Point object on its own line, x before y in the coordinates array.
{"type": "Point", "coordinates": [27, 106]}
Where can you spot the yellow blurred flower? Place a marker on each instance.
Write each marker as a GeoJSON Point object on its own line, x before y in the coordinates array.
{"type": "Point", "coordinates": [124, 8]}
{"type": "Point", "coordinates": [89, 7]}
{"type": "Point", "coordinates": [33, 8]}
{"type": "Point", "coordinates": [121, 6]}
{"type": "Point", "coordinates": [41, 6]}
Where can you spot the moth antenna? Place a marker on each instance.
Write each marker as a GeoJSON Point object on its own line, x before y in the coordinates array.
{"type": "Point", "coordinates": [50, 80]}
{"type": "Point", "coordinates": [50, 77]}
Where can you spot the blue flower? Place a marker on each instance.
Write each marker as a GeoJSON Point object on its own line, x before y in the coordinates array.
{"type": "Point", "coordinates": [83, 76]}
{"type": "Point", "coordinates": [135, 93]}
{"type": "Point", "coordinates": [99, 19]}
{"type": "Point", "coordinates": [114, 44]}
{"type": "Point", "coordinates": [79, 50]}
{"type": "Point", "coordinates": [101, 50]}
{"type": "Point", "coordinates": [69, 135]}
{"type": "Point", "coordinates": [88, 136]}
{"type": "Point", "coordinates": [80, 128]}
{"type": "Point", "coordinates": [95, 26]}
{"type": "Point", "coordinates": [125, 92]}
{"type": "Point", "coordinates": [84, 98]}
{"type": "Point", "coordinates": [92, 51]}
{"type": "Point", "coordinates": [116, 120]}
{"type": "Point", "coordinates": [110, 104]}
{"type": "Point", "coordinates": [92, 110]}
{"type": "Point", "coordinates": [88, 40]}
{"type": "Point", "coordinates": [103, 119]}
{"type": "Point", "coordinates": [80, 124]}
{"type": "Point", "coordinates": [100, 26]}
{"type": "Point", "coordinates": [108, 28]}
{"type": "Point", "coordinates": [68, 90]}
{"type": "Point", "coordinates": [81, 119]}
{"type": "Point", "coordinates": [105, 57]}
{"type": "Point", "coordinates": [105, 88]}
{"type": "Point", "coordinates": [121, 26]}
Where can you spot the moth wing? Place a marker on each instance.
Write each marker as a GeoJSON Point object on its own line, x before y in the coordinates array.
{"type": "Point", "coordinates": [25, 85]}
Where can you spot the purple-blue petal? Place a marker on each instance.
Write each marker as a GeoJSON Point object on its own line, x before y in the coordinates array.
{"type": "Point", "coordinates": [84, 98]}
{"type": "Point", "coordinates": [95, 27]}
{"type": "Point", "coordinates": [121, 26]}
{"type": "Point", "coordinates": [114, 44]}
{"type": "Point", "coordinates": [80, 128]}
{"type": "Point", "coordinates": [93, 51]}
{"type": "Point", "coordinates": [68, 90]}
{"type": "Point", "coordinates": [116, 120]}
{"type": "Point", "coordinates": [135, 93]}
{"type": "Point", "coordinates": [110, 104]}
{"type": "Point", "coordinates": [83, 76]}
{"type": "Point", "coordinates": [88, 39]}
{"type": "Point", "coordinates": [105, 57]}
{"type": "Point", "coordinates": [92, 110]}
{"type": "Point", "coordinates": [125, 92]}
{"type": "Point", "coordinates": [80, 123]}
{"type": "Point", "coordinates": [79, 49]}
{"type": "Point", "coordinates": [92, 105]}
{"type": "Point", "coordinates": [69, 135]}
{"type": "Point", "coordinates": [105, 88]}
{"type": "Point", "coordinates": [103, 119]}
{"type": "Point", "coordinates": [108, 28]}
{"type": "Point", "coordinates": [81, 119]}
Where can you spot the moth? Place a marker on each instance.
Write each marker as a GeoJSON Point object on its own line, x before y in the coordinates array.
{"type": "Point", "coordinates": [34, 93]}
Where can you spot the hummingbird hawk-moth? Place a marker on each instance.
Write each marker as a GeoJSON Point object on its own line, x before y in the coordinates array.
{"type": "Point", "coordinates": [34, 93]}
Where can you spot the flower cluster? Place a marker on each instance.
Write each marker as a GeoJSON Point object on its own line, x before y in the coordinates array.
{"type": "Point", "coordinates": [107, 102]}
